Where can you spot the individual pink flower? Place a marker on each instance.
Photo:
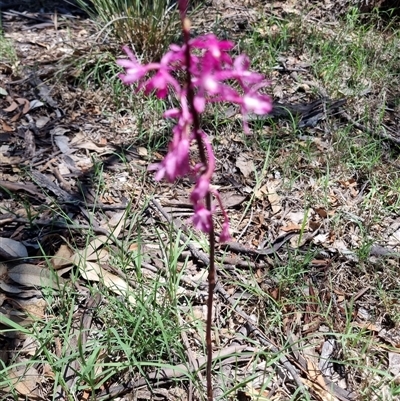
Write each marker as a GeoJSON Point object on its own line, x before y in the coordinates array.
{"type": "Point", "coordinates": [172, 113]}
{"type": "Point", "coordinates": [242, 73]}
{"type": "Point", "coordinates": [202, 219]}
{"type": "Point", "coordinates": [159, 82]}
{"type": "Point", "coordinates": [134, 70]}
{"type": "Point", "coordinates": [225, 236]}
{"type": "Point", "coordinates": [256, 103]}
{"type": "Point", "coordinates": [175, 163]}
{"type": "Point", "coordinates": [214, 47]}
{"type": "Point", "coordinates": [210, 87]}
{"type": "Point", "coordinates": [253, 102]}
{"type": "Point", "coordinates": [201, 190]}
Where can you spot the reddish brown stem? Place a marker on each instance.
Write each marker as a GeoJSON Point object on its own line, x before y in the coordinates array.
{"type": "Point", "coordinates": [211, 288]}
{"type": "Point", "coordinates": [204, 160]}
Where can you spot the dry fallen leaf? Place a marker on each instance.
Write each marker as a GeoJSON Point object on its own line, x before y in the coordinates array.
{"type": "Point", "coordinates": [62, 143]}
{"type": "Point", "coordinates": [231, 199]}
{"type": "Point", "coordinates": [394, 363]}
{"type": "Point", "coordinates": [6, 127]}
{"type": "Point", "coordinates": [275, 201]}
{"type": "Point", "coordinates": [13, 106]}
{"type": "Point", "coordinates": [291, 227]}
{"type": "Point", "coordinates": [321, 212]}
{"type": "Point", "coordinates": [62, 258]}
{"type": "Point", "coordinates": [8, 316]}
{"type": "Point", "coordinates": [30, 346]}
{"type": "Point", "coordinates": [42, 121]}
{"type": "Point", "coordinates": [91, 252]}
{"type": "Point", "coordinates": [34, 276]}
{"type": "Point", "coordinates": [323, 394]}
{"type": "Point", "coordinates": [11, 249]}
{"type": "Point", "coordinates": [296, 217]}
{"type": "Point", "coordinates": [25, 380]}
{"type": "Point", "coordinates": [367, 326]}
{"type": "Point", "coordinates": [317, 382]}
{"type": "Point", "coordinates": [114, 221]}
{"type": "Point", "coordinates": [298, 240]}
{"type": "Point", "coordinates": [261, 192]}
{"type": "Point", "coordinates": [245, 165]}
{"type": "Point", "coordinates": [142, 151]}
{"type": "Point", "coordinates": [320, 238]}
{"type": "Point", "coordinates": [34, 104]}
{"type": "Point", "coordinates": [394, 239]}
{"type": "Point", "coordinates": [11, 289]}
{"type": "Point", "coordinates": [26, 104]}
{"type": "Point", "coordinates": [4, 281]}
{"type": "Point", "coordinates": [92, 271]}
{"type": "Point", "coordinates": [81, 142]}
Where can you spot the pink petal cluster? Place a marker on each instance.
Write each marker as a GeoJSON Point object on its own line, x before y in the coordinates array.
{"type": "Point", "coordinates": [212, 71]}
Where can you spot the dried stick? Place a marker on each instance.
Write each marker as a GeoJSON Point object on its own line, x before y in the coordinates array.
{"type": "Point", "coordinates": [363, 128]}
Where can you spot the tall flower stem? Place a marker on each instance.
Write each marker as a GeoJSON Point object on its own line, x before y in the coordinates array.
{"type": "Point", "coordinates": [209, 71]}
{"type": "Point", "coordinates": [204, 161]}
{"type": "Point", "coordinates": [211, 288]}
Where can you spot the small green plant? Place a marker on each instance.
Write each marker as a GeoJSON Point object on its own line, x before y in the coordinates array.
{"type": "Point", "coordinates": [7, 50]}
{"type": "Point", "coordinates": [149, 27]}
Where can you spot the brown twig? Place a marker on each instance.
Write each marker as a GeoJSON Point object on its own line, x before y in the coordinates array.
{"type": "Point", "coordinates": [363, 128]}
{"type": "Point", "coordinates": [60, 224]}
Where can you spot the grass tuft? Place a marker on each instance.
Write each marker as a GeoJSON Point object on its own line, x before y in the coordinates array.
{"type": "Point", "coordinates": [148, 27]}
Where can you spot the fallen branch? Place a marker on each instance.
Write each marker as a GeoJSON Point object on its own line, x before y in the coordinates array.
{"type": "Point", "coordinates": [365, 129]}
